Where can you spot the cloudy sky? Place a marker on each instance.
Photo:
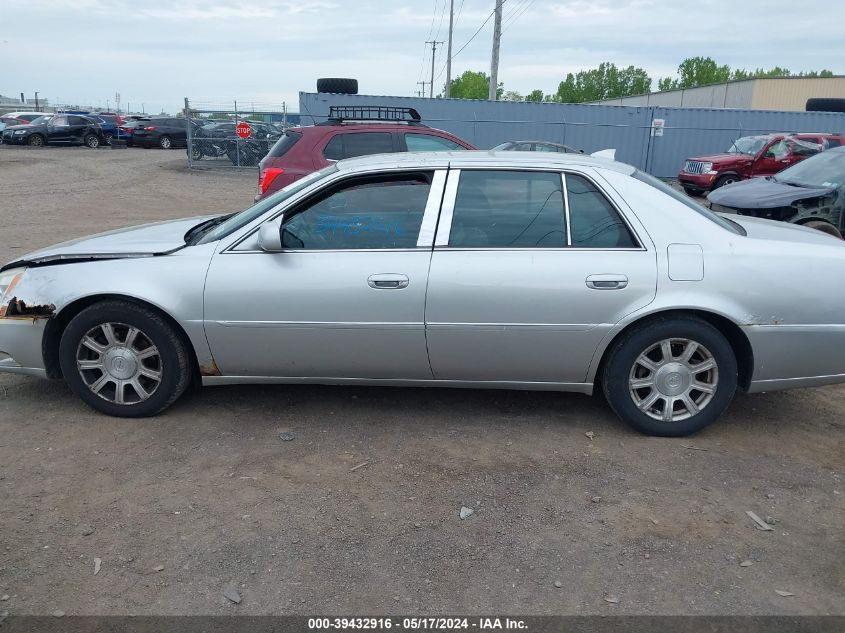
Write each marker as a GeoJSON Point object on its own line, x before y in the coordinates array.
{"type": "Point", "coordinates": [156, 52]}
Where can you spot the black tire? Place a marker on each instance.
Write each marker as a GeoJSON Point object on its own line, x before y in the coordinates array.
{"type": "Point", "coordinates": [109, 138]}
{"type": "Point", "coordinates": [824, 227]}
{"type": "Point", "coordinates": [36, 140]}
{"type": "Point", "coordinates": [825, 105]}
{"type": "Point", "coordinates": [195, 152]}
{"type": "Point", "coordinates": [165, 142]}
{"type": "Point", "coordinates": [622, 362]}
{"type": "Point", "coordinates": [173, 360]}
{"type": "Point", "coordinates": [338, 85]}
{"type": "Point", "coordinates": [692, 192]}
{"type": "Point", "coordinates": [726, 179]}
{"type": "Point", "coordinates": [91, 141]}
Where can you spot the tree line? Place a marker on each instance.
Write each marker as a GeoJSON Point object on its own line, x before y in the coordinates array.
{"type": "Point", "coordinates": [611, 82]}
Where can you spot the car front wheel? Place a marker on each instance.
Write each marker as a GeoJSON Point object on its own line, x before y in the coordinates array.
{"type": "Point", "coordinates": [124, 359]}
{"type": "Point", "coordinates": [671, 377]}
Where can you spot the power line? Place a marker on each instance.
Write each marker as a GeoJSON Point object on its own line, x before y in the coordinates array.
{"type": "Point", "coordinates": [514, 19]}
{"type": "Point", "coordinates": [474, 35]}
{"type": "Point", "coordinates": [440, 23]}
{"type": "Point", "coordinates": [430, 31]}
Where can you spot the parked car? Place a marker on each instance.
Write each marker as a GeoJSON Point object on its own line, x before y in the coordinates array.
{"type": "Point", "coordinates": [127, 128]}
{"type": "Point", "coordinates": [348, 132]}
{"type": "Point", "coordinates": [536, 146]}
{"type": "Point", "coordinates": [110, 124]}
{"type": "Point", "coordinates": [811, 193]}
{"type": "Point", "coordinates": [455, 269]}
{"type": "Point", "coordinates": [18, 118]}
{"type": "Point", "coordinates": [24, 116]}
{"type": "Point", "coordinates": [58, 129]}
{"type": "Point", "coordinates": [163, 132]}
{"type": "Point", "coordinates": [750, 157]}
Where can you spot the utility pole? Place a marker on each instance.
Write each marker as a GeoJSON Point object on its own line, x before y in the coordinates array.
{"type": "Point", "coordinates": [433, 51]}
{"type": "Point", "coordinates": [421, 93]}
{"type": "Point", "coordinates": [448, 91]}
{"type": "Point", "coordinates": [494, 63]}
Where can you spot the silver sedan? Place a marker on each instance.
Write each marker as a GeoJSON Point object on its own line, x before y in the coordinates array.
{"type": "Point", "coordinates": [475, 269]}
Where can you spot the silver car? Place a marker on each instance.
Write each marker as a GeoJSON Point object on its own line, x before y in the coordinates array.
{"type": "Point", "coordinates": [474, 269]}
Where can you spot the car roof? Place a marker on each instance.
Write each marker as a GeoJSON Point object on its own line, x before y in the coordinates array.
{"type": "Point", "coordinates": [21, 113]}
{"type": "Point", "coordinates": [490, 159]}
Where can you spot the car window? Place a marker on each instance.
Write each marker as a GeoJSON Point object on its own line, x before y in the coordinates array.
{"type": "Point", "coordinates": [778, 150]}
{"type": "Point", "coordinates": [376, 212]}
{"type": "Point", "coordinates": [805, 146]}
{"type": "Point", "coordinates": [831, 142]}
{"type": "Point", "coordinates": [358, 144]}
{"type": "Point", "coordinates": [285, 143]}
{"type": "Point", "coordinates": [79, 120]}
{"type": "Point", "coordinates": [595, 222]}
{"type": "Point", "coordinates": [59, 120]}
{"type": "Point", "coordinates": [508, 209]}
{"type": "Point", "coordinates": [430, 143]}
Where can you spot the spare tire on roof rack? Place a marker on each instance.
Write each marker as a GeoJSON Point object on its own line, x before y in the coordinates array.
{"type": "Point", "coordinates": [338, 85]}
{"type": "Point", "coordinates": [825, 105]}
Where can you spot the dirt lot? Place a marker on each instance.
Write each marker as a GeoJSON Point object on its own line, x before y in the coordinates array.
{"type": "Point", "coordinates": [208, 496]}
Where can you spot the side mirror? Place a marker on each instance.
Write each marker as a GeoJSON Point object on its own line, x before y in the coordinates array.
{"type": "Point", "coordinates": [270, 236]}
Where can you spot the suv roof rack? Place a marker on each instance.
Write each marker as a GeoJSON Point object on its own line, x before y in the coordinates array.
{"type": "Point", "coordinates": [369, 114]}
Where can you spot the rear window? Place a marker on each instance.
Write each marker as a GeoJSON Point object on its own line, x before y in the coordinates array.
{"type": "Point", "coordinates": [283, 145]}
{"type": "Point", "coordinates": [726, 224]}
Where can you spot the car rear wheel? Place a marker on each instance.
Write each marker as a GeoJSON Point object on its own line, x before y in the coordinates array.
{"type": "Point", "coordinates": [92, 141]}
{"type": "Point", "coordinates": [671, 377]}
{"type": "Point", "coordinates": [727, 179]}
{"type": "Point", "coordinates": [196, 152]}
{"type": "Point", "coordinates": [824, 227]}
{"type": "Point", "coordinates": [109, 138]}
{"type": "Point", "coordinates": [36, 140]}
{"type": "Point", "coordinates": [124, 359]}
{"type": "Point", "coordinates": [164, 142]}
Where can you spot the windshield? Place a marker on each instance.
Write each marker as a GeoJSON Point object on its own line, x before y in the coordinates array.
{"type": "Point", "coordinates": [726, 224]}
{"type": "Point", "coordinates": [750, 145]}
{"type": "Point", "coordinates": [825, 170]}
{"type": "Point", "coordinates": [39, 120]}
{"type": "Point", "coordinates": [248, 215]}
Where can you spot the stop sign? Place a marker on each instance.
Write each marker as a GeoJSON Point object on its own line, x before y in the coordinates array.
{"type": "Point", "coordinates": [243, 130]}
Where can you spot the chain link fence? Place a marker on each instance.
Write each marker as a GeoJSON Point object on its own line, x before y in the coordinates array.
{"type": "Point", "coordinates": [234, 134]}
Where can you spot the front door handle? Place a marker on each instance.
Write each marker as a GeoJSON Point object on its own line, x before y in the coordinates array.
{"type": "Point", "coordinates": [607, 282]}
{"type": "Point", "coordinates": [388, 281]}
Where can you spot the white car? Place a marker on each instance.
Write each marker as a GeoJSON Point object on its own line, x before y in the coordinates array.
{"type": "Point", "coordinates": [472, 269]}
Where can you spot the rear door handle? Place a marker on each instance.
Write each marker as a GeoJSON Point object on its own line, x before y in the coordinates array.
{"type": "Point", "coordinates": [388, 281]}
{"type": "Point", "coordinates": [607, 282]}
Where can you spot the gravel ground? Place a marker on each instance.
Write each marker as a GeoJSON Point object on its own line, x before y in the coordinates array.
{"type": "Point", "coordinates": [359, 512]}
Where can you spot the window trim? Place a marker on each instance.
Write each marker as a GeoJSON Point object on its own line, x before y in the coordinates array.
{"type": "Point", "coordinates": [447, 212]}
{"type": "Point", "coordinates": [424, 237]}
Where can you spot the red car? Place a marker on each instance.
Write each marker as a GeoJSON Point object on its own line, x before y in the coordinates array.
{"type": "Point", "coordinates": [349, 131]}
{"type": "Point", "coordinates": [752, 156]}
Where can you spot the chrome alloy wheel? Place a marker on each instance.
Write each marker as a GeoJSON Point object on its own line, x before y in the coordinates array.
{"type": "Point", "coordinates": [119, 363]}
{"type": "Point", "coordinates": [673, 379]}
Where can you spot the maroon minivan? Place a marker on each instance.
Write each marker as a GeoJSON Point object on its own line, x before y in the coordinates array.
{"type": "Point", "coordinates": [348, 131]}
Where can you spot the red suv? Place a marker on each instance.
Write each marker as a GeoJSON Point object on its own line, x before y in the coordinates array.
{"type": "Point", "coordinates": [349, 131]}
{"type": "Point", "coordinates": [752, 156]}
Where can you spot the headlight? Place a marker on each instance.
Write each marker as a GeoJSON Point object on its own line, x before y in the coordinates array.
{"type": "Point", "coordinates": [20, 131]}
{"type": "Point", "coordinates": [705, 167]}
{"type": "Point", "coordinates": [8, 280]}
